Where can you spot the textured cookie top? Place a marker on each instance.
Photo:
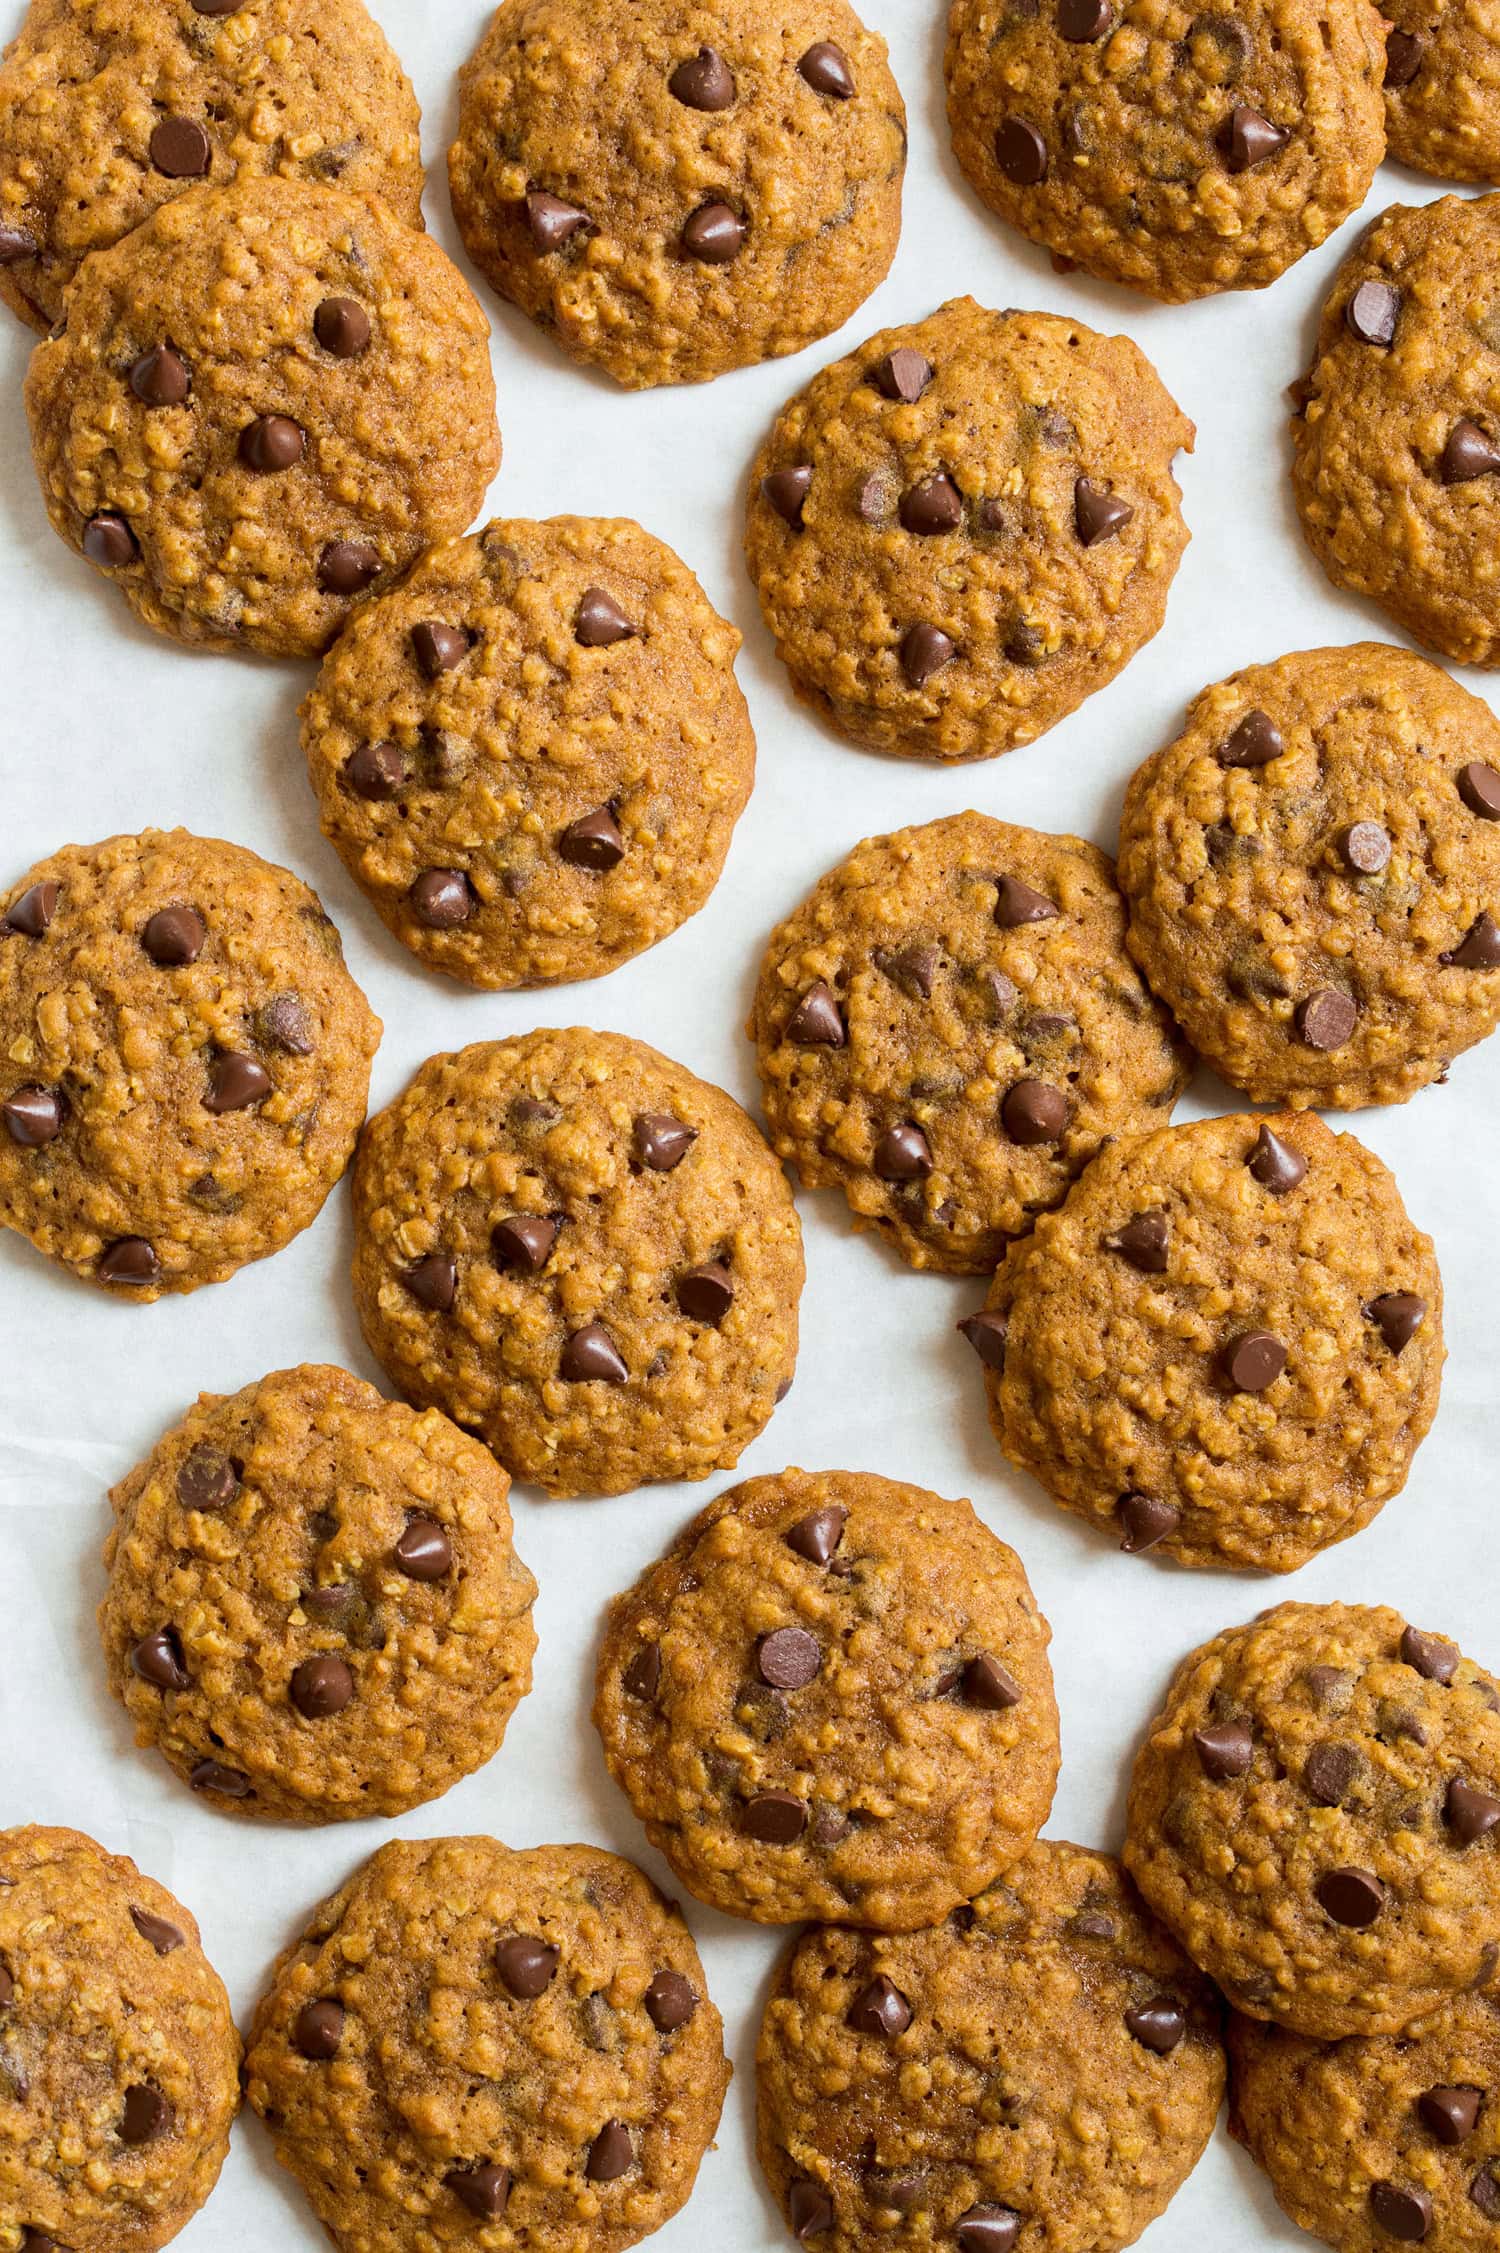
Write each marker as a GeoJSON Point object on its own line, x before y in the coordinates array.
{"type": "Point", "coordinates": [467, 2036]}
{"type": "Point", "coordinates": [831, 1699]}
{"type": "Point", "coordinates": [314, 1610]}
{"type": "Point", "coordinates": [184, 1059]}
{"type": "Point", "coordinates": [1314, 1814]}
{"type": "Point", "coordinates": [107, 110]}
{"type": "Point", "coordinates": [714, 183]}
{"type": "Point", "coordinates": [581, 1252]}
{"type": "Point", "coordinates": [532, 753]}
{"type": "Point", "coordinates": [948, 1029]}
{"type": "Point", "coordinates": [265, 400]}
{"type": "Point", "coordinates": [1442, 87]}
{"type": "Point", "coordinates": [961, 529]}
{"type": "Point", "coordinates": [1226, 1345]}
{"type": "Point", "coordinates": [1182, 150]}
{"type": "Point", "coordinates": [119, 2063]}
{"type": "Point", "coordinates": [1040, 2072]}
{"type": "Point", "coordinates": [1397, 432]}
{"type": "Point", "coordinates": [1313, 873]}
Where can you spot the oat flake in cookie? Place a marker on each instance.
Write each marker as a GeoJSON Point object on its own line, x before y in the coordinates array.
{"type": "Point", "coordinates": [700, 185]}
{"type": "Point", "coordinates": [962, 529]}
{"type": "Point", "coordinates": [1225, 1347]}
{"type": "Point", "coordinates": [119, 2063]}
{"type": "Point", "coordinates": [184, 1059]}
{"type": "Point", "coordinates": [1442, 88]}
{"type": "Point", "coordinates": [532, 753]}
{"type": "Point", "coordinates": [263, 402]}
{"type": "Point", "coordinates": [582, 1253]}
{"type": "Point", "coordinates": [831, 1699]}
{"type": "Point", "coordinates": [1042, 2070]}
{"type": "Point", "coordinates": [474, 2047]}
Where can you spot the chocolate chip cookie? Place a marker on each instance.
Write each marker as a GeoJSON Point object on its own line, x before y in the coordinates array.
{"type": "Point", "coordinates": [949, 1028]}
{"type": "Point", "coordinates": [467, 2036]}
{"type": "Point", "coordinates": [584, 1254]}
{"type": "Point", "coordinates": [1312, 1814]}
{"type": "Point", "coordinates": [966, 526]}
{"type": "Point", "coordinates": [831, 1699]}
{"type": "Point", "coordinates": [184, 1059]}
{"type": "Point", "coordinates": [1313, 874]}
{"type": "Point", "coordinates": [314, 1609]}
{"type": "Point", "coordinates": [1442, 87]}
{"type": "Point", "coordinates": [532, 753]}
{"type": "Point", "coordinates": [1182, 150]}
{"type": "Point", "coordinates": [1225, 1347]}
{"type": "Point", "coordinates": [713, 183]}
{"type": "Point", "coordinates": [119, 2062]}
{"type": "Point", "coordinates": [1042, 2070]}
{"type": "Point", "coordinates": [263, 402]}
{"type": "Point", "coordinates": [107, 112]}
{"type": "Point", "coordinates": [1397, 429]}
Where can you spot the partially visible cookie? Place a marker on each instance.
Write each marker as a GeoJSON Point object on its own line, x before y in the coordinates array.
{"type": "Point", "coordinates": [119, 2062]}
{"type": "Point", "coordinates": [1314, 1813]}
{"type": "Point", "coordinates": [262, 403]}
{"type": "Point", "coordinates": [470, 2046]}
{"type": "Point", "coordinates": [1225, 1347]}
{"type": "Point", "coordinates": [184, 1059]}
{"type": "Point", "coordinates": [1313, 874]}
{"type": "Point", "coordinates": [1442, 87]}
{"type": "Point", "coordinates": [963, 528]}
{"type": "Point", "coordinates": [831, 1699]}
{"type": "Point", "coordinates": [314, 1610]}
{"type": "Point", "coordinates": [581, 1252]}
{"type": "Point", "coordinates": [531, 754]}
{"type": "Point", "coordinates": [1178, 149]}
{"type": "Point", "coordinates": [1041, 2071]}
{"type": "Point", "coordinates": [706, 184]}
{"type": "Point", "coordinates": [948, 1028]}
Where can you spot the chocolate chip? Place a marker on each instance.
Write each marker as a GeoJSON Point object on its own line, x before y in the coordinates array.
{"type": "Point", "coordinates": [1479, 788]}
{"type": "Point", "coordinates": [1084, 20]}
{"type": "Point", "coordinates": [986, 1333]}
{"type": "Point", "coordinates": [1403, 57]}
{"type": "Point", "coordinates": [1469, 453]}
{"type": "Point", "coordinates": [157, 1659]}
{"type": "Point", "coordinates": [643, 1674]}
{"type": "Point", "coordinates": [817, 1021]}
{"type": "Point", "coordinates": [109, 541]}
{"type": "Point", "coordinates": [207, 1480]}
{"type": "Point", "coordinates": [319, 2029]}
{"type": "Point", "coordinates": [1327, 1018]}
{"type": "Point", "coordinates": [1020, 152]}
{"type": "Point", "coordinates": [1034, 1113]}
{"type": "Point", "coordinates": [1351, 1897]}
{"type": "Point", "coordinates": [424, 1551]}
{"type": "Point", "coordinates": [989, 1685]}
{"type": "Point", "coordinates": [174, 936]}
{"type": "Point", "coordinates": [1470, 1813]}
{"type": "Point", "coordinates": [1479, 948]}
{"type": "Point", "coordinates": [1275, 1165]}
{"type": "Point", "coordinates": [552, 222]}
{"type": "Point", "coordinates": [925, 650]}
{"type": "Point", "coordinates": [34, 1115]}
{"type": "Point", "coordinates": [1329, 1770]}
{"type": "Point", "coordinates": [272, 443]}
{"type": "Point", "coordinates": [1098, 515]}
{"type": "Point", "coordinates": [1398, 1315]}
{"type": "Point", "coordinates": [809, 2209]}
{"type": "Point", "coordinates": [163, 1937]}
{"type": "Point", "coordinates": [526, 1965]}
{"type": "Point", "coordinates": [592, 841]}
{"type": "Point", "coordinates": [880, 2008]}
{"type": "Point", "coordinates": [714, 234]}
{"type": "Point", "coordinates": [1401, 2213]}
{"type": "Point", "coordinates": [235, 1082]}
{"type": "Point", "coordinates": [662, 1141]}
{"type": "Point", "coordinates": [599, 621]}
{"type": "Point", "coordinates": [933, 506]}
{"type": "Point", "coordinates": [826, 69]}
{"type": "Point", "coordinates": [437, 648]}
{"type": "Point", "coordinates": [903, 1153]}
{"type": "Point", "coordinates": [321, 1686]}
{"type": "Point", "coordinates": [283, 1022]}
{"type": "Point", "coordinates": [1254, 742]}
{"type": "Point", "coordinates": [903, 374]}
{"type": "Point", "coordinates": [1143, 1242]}
{"type": "Point", "coordinates": [32, 912]}
{"type": "Point", "coordinates": [1366, 847]}
{"type": "Point", "coordinates": [591, 1357]}
{"type": "Point", "coordinates": [524, 1241]}
{"type": "Point", "coordinates": [670, 2001]}
{"type": "Point", "coordinates": [786, 490]}
{"type": "Point", "coordinates": [485, 2190]}
{"type": "Point", "coordinates": [912, 968]}
{"type": "Point", "coordinates": [217, 7]}
{"type": "Point", "coordinates": [776, 1818]}
{"type": "Point", "coordinates": [1449, 2112]}
{"type": "Point", "coordinates": [1016, 903]}
{"type": "Point", "coordinates": [1433, 1658]}
{"type": "Point", "coordinates": [179, 148]}
{"type": "Point", "coordinates": [1144, 1522]}
{"type": "Point", "coordinates": [706, 1293]}
{"type": "Point", "coordinates": [442, 898]}
{"type": "Point", "coordinates": [1484, 2190]}
{"type": "Point", "coordinates": [376, 770]}
{"type": "Point", "coordinates": [1158, 2025]}
{"type": "Point", "coordinates": [342, 326]}
{"type": "Point", "coordinates": [611, 2154]}
{"type": "Point", "coordinates": [1254, 1360]}
{"type": "Point", "coordinates": [159, 378]}
{"type": "Point", "coordinates": [346, 567]}
{"type": "Point", "coordinates": [1372, 311]}
{"type": "Point", "coordinates": [130, 1259]}
{"type": "Point", "coordinates": [704, 82]}
{"type": "Point", "coordinates": [1224, 1752]}
{"type": "Point", "coordinates": [817, 1536]}
{"type": "Point", "coordinates": [144, 2114]}
{"type": "Point", "coordinates": [212, 1775]}
{"type": "Point", "coordinates": [788, 1658]}
{"type": "Point", "coordinates": [1246, 139]}
{"type": "Point", "coordinates": [16, 244]}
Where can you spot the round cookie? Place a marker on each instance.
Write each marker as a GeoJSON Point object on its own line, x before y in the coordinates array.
{"type": "Point", "coordinates": [713, 183]}
{"type": "Point", "coordinates": [1311, 869]}
{"type": "Point", "coordinates": [1314, 1815]}
{"type": "Point", "coordinates": [831, 1699]}
{"type": "Point", "coordinates": [119, 2062]}
{"type": "Point", "coordinates": [1380, 2136]}
{"type": "Point", "coordinates": [465, 2035]}
{"type": "Point", "coordinates": [1225, 1347]}
{"type": "Point", "coordinates": [966, 526]}
{"type": "Point", "coordinates": [1042, 2071]}
{"type": "Point", "coordinates": [184, 1059]}
{"type": "Point", "coordinates": [1397, 429]}
{"type": "Point", "coordinates": [314, 1609]}
{"type": "Point", "coordinates": [1177, 149]}
{"type": "Point", "coordinates": [266, 400]}
{"type": "Point", "coordinates": [531, 754]}
{"type": "Point", "coordinates": [948, 1028]}
{"type": "Point", "coordinates": [106, 112]}
{"type": "Point", "coordinates": [1442, 87]}
{"type": "Point", "coordinates": [581, 1252]}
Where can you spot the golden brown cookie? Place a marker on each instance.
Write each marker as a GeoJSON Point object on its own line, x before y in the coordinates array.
{"type": "Point", "coordinates": [263, 402]}
{"type": "Point", "coordinates": [107, 111]}
{"type": "Point", "coordinates": [1043, 2070]}
{"type": "Point", "coordinates": [711, 183]}
{"type": "Point", "coordinates": [531, 754]}
{"type": "Point", "coordinates": [831, 1699]}
{"type": "Point", "coordinates": [314, 1609]}
{"type": "Point", "coordinates": [1179, 149]}
{"type": "Point", "coordinates": [1226, 1346]}
{"type": "Point", "coordinates": [474, 2047]}
{"type": "Point", "coordinates": [948, 1028]}
{"type": "Point", "coordinates": [1397, 429]}
{"type": "Point", "coordinates": [119, 2062]}
{"type": "Point", "coordinates": [1313, 873]}
{"type": "Point", "coordinates": [1314, 1814]}
{"type": "Point", "coordinates": [584, 1254]}
{"type": "Point", "coordinates": [1442, 87]}
{"type": "Point", "coordinates": [184, 1059]}
{"type": "Point", "coordinates": [962, 529]}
